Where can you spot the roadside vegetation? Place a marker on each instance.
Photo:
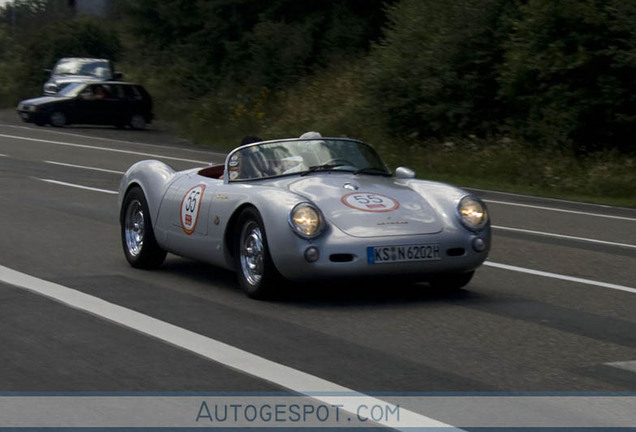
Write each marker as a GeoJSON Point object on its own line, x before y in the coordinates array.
{"type": "Point", "coordinates": [531, 96]}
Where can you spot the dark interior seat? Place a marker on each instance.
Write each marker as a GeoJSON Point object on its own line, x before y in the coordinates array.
{"type": "Point", "coordinates": [213, 171]}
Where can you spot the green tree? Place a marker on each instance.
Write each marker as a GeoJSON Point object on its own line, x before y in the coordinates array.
{"type": "Point", "coordinates": [568, 79]}
{"type": "Point", "coordinates": [435, 72]}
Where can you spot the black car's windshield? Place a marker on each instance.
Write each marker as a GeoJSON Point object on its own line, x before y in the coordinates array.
{"type": "Point", "coordinates": [87, 67]}
{"type": "Point", "coordinates": [71, 90]}
{"type": "Point", "coordinates": [304, 156]}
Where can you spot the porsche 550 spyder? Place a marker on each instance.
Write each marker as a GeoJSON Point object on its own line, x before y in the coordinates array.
{"type": "Point", "coordinates": [303, 210]}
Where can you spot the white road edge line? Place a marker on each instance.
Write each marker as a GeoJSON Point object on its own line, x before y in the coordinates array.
{"type": "Point", "coordinates": [227, 355]}
{"type": "Point", "coordinates": [77, 186]}
{"type": "Point", "coordinates": [560, 277]}
{"type": "Point", "coordinates": [104, 149]}
{"type": "Point", "coordinates": [625, 365]}
{"type": "Point", "coordinates": [561, 210]}
{"type": "Point", "coordinates": [84, 167]}
{"type": "Point", "coordinates": [545, 234]}
{"type": "Point", "coordinates": [163, 146]}
{"type": "Point", "coordinates": [545, 198]}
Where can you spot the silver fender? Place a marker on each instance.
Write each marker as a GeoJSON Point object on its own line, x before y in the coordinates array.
{"type": "Point", "coordinates": [153, 177]}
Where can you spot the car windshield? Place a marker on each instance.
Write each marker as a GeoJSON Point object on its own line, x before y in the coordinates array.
{"type": "Point", "coordinates": [96, 68]}
{"type": "Point", "coordinates": [303, 157]}
{"type": "Point", "coordinates": [71, 90]}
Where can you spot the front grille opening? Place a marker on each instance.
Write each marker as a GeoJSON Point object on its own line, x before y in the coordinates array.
{"type": "Point", "coordinates": [341, 257]}
{"type": "Point", "coordinates": [455, 252]}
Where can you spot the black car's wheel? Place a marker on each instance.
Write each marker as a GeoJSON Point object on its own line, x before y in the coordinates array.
{"type": "Point", "coordinates": [137, 237]}
{"type": "Point", "coordinates": [58, 119]}
{"type": "Point", "coordinates": [452, 282]}
{"type": "Point", "coordinates": [256, 272]}
{"type": "Point", "coordinates": [138, 122]}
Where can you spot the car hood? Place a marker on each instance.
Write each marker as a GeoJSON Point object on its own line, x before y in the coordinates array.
{"type": "Point", "coordinates": [67, 79]}
{"type": "Point", "coordinates": [369, 206]}
{"type": "Point", "coordinates": [41, 100]}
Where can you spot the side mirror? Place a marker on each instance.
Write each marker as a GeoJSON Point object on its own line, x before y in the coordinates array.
{"type": "Point", "coordinates": [404, 173]}
{"type": "Point", "coordinates": [118, 75]}
{"type": "Point", "coordinates": [47, 71]}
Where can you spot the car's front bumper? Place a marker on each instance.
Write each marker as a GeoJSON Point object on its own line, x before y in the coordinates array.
{"type": "Point", "coordinates": [31, 116]}
{"type": "Point", "coordinates": [344, 256]}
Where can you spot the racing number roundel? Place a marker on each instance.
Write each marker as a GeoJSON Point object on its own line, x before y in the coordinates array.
{"type": "Point", "coordinates": [370, 202]}
{"type": "Point", "coordinates": [190, 205]}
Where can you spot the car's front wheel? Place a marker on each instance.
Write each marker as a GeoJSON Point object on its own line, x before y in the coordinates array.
{"type": "Point", "coordinates": [256, 272]}
{"type": "Point", "coordinates": [137, 236]}
{"type": "Point", "coordinates": [452, 282]}
{"type": "Point", "coordinates": [58, 119]}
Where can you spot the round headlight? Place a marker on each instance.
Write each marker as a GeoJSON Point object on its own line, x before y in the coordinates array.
{"type": "Point", "coordinates": [472, 213]}
{"type": "Point", "coordinates": [306, 220]}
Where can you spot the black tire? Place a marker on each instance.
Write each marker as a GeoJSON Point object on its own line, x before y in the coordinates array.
{"type": "Point", "coordinates": [58, 119]}
{"type": "Point", "coordinates": [256, 272]}
{"type": "Point", "coordinates": [451, 282]}
{"type": "Point", "coordinates": [137, 236]}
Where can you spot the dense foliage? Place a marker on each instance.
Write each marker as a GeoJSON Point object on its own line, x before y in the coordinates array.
{"type": "Point", "coordinates": [555, 75]}
{"type": "Point", "coordinates": [568, 77]}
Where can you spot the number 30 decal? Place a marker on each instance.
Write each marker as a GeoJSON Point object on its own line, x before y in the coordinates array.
{"type": "Point", "coordinates": [190, 205]}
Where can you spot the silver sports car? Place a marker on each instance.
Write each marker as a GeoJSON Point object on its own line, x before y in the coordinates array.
{"type": "Point", "coordinates": [303, 209]}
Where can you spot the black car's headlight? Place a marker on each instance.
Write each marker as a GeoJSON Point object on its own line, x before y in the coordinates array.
{"type": "Point", "coordinates": [473, 213]}
{"type": "Point", "coordinates": [306, 220]}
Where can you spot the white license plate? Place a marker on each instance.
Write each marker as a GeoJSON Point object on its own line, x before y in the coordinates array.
{"type": "Point", "coordinates": [391, 254]}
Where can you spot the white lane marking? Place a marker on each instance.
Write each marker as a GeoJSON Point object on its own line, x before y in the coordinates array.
{"type": "Point", "coordinates": [227, 355]}
{"type": "Point", "coordinates": [104, 149]}
{"type": "Point", "coordinates": [625, 365]}
{"type": "Point", "coordinates": [84, 167]}
{"type": "Point", "coordinates": [545, 234]}
{"type": "Point", "coordinates": [561, 277]}
{"type": "Point", "coordinates": [545, 198]}
{"type": "Point", "coordinates": [202, 152]}
{"type": "Point", "coordinates": [77, 186]}
{"type": "Point", "coordinates": [561, 210]}
{"type": "Point", "coordinates": [3, 155]}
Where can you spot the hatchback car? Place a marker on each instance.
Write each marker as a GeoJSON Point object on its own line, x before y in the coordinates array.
{"type": "Point", "coordinates": [102, 103]}
{"type": "Point", "coordinates": [73, 69]}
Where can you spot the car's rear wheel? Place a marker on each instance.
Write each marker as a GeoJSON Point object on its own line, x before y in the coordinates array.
{"type": "Point", "coordinates": [137, 236]}
{"type": "Point", "coordinates": [451, 282]}
{"type": "Point", "coordinates": [256, 272]}
{"type": "Point", "coordinates": [138, 122]}
{"type": "Point", "coordinates": [58, 119]}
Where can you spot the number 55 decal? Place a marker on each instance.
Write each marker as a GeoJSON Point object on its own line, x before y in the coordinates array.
{"type": "Point", "coordinates": [370, 202]}
{"type": "Point", "coordinates": [190, 205]}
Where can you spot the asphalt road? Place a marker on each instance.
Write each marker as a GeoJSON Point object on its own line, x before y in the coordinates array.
{"type": "Point", "coordinates": [554, 308]}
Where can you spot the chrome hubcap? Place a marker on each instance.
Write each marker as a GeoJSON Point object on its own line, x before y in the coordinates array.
{"type": "Point", "coordinates": [252, 253]}
{"type": "Point", "coordinates": [134, 227]}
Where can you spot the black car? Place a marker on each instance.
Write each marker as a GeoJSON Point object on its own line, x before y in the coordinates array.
{"type": "Point", "coordinates": [103, 103]}
{"type": "Point", "coordinates": [74, 69]}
